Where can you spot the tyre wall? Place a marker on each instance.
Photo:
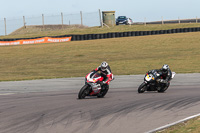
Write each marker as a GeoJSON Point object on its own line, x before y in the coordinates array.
{"type": "Point", "coordinates": [131, 33]}
{"type": "Point", "coordinates": [78, 37]}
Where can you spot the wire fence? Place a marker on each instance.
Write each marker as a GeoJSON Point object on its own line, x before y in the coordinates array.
{"type": "Point", "coordinates": [175, 21]}
{"type": "Point", "coordinates": [90, 19]}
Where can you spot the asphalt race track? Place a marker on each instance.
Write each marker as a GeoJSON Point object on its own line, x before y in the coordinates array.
{"type": "Point", "coordinates": [51, 106]}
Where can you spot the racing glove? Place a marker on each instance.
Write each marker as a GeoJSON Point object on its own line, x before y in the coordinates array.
{"type": "Point", "coordinates": [163, 81]}
{"type": "Point", "coordinates": [104, 82]}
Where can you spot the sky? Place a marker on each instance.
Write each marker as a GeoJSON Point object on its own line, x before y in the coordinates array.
{"type": "Point", "coordinates": [135, 9]}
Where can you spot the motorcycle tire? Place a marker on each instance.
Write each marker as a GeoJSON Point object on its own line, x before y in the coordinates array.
{"type": "Point", "coordinates": [164, 89]}
{"type": "Point", "coordinates": [83, 92]}
{"type": "Point", "coordinates": [103, 93]}
{"type": "Point", "coordinates": [141, 88]}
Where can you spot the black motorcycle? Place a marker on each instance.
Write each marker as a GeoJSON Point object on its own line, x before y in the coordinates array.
{"type": "Point", "coordinates": [152, 82]}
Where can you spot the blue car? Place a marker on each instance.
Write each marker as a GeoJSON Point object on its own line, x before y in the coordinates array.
{"type": "Point", "coordinates": [123, 20]}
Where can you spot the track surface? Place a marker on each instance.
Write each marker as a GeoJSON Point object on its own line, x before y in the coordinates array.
{"type": "Point", "coordinates": [51, 106]}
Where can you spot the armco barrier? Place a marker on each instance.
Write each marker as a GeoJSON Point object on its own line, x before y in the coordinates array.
{"type": "Point", "coordinates": [117, 34]}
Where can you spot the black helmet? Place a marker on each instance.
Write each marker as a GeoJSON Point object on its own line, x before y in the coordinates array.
{"type": "Point", "coordinates": [104, 66]}
{"type": "Point", "coordinates": [165, 68]}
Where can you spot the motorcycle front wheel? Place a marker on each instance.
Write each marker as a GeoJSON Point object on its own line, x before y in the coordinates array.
{"type": "Point", "coordinates": [83, 92]}
{"type": "Point", "coordinates": [141, 88]}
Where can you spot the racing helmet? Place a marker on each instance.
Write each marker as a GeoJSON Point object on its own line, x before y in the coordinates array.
{"type": "Point", "coordinates": [165, 68]}
{"type": "Point", "coordinates": [104, 66]}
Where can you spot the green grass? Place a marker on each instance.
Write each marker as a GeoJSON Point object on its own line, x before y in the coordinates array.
{"type": "Point", "coordinates": [190, 126]}
{"type": "Point", "coordinates": [35, 31]}
{"type": "Point", "coordinates": [129, 55]}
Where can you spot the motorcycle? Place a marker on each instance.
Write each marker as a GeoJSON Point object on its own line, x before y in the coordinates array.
{"type": "Point", "coordinates": [93, 86]}
{"type": "Point", "coordinates": [152, 82]}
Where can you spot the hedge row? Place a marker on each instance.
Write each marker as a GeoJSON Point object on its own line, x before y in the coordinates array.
{"type": "Point", "coordinates": [118, 34]}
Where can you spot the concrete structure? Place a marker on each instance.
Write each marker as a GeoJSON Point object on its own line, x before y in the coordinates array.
{"type": "Point", "coordinates": [108, 17]}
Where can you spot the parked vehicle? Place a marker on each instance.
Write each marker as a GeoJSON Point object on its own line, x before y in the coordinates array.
{"type": "Point", "coordinates": [93, 86]}
{"type": "Point", "coordinates": [124, 20]}
{"type": "Point", "coordinates": [129, 21]}
{"type": "Point", "coordinates": [151, 82]}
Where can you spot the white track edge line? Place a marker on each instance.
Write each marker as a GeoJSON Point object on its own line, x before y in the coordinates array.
{"type": "Point", "coordinates": [174, 123]}
{"type": "Point", "coordinates": [3, 94]}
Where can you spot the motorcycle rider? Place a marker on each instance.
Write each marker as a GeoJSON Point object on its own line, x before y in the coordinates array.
{"type": "Point", "coordinates": [166, 75]}
{"type": "Point", "coordinates": [106, 73]}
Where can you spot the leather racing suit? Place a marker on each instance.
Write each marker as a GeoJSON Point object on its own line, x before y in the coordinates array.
{"type": "Point", "coordinates": [106, 74]}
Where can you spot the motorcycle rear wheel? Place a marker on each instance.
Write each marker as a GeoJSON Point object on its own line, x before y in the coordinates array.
{"type": "Point", "coordinates": [164, 89]}
{"type": "Point", "coordinates": [83, 92]}
{"type": "Point", "coordinates": [141, 88]}
{"type": "Point", "coordinates": [103, 93]}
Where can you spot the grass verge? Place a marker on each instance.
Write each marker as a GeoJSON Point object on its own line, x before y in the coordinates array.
{"type": "Point", "coordinates": [190, 126]}
{"type": "Point", "coordinates": [128, 55]}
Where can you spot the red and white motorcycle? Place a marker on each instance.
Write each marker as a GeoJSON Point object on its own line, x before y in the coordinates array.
{"type": "Point", "coordinates": [93, 86]}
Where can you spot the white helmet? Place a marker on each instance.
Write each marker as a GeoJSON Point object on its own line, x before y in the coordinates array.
{"type": "Point", "coordinates": [104, 66]}
{"type": "Point", "coordinates": [165, 67]}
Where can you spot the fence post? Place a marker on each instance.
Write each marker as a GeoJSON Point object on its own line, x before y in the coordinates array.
{"type": "Point", "coordinates": [162, 20]}
{"type": "Point", "coordinates": [5, 26]}
{"type": "Point", "coordinates": [179, 21]}
{"type": "Point", "coordinates": [43, 20]}
{"type": "Point", "coordinates": [145, 23]}
{"type": "Point", "coordinates": [24, 21]}
{"type": "Point", "coordinates": [62, 18]}
{"type": "Point", "coordinates": [196, 19]}
{"type": "Point", "coordinates": [81, 18]}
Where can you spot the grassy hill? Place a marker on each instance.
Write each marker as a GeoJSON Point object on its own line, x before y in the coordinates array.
{"type": "Point", "coordinates": [55, 30]}
{"type": "Point", "coordinates": [128, 55]}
